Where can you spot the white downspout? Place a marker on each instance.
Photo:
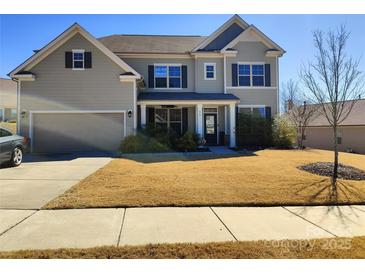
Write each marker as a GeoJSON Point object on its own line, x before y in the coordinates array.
{"type": "Point", "coordinates": [135, 106]}
{"type": "Point", "coordinates": [225, 91]}
{"type": "Point", "coordinates": [18, 107]}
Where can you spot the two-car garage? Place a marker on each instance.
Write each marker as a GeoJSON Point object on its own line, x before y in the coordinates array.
{"type": "Point", "coordinates": [76, 131]}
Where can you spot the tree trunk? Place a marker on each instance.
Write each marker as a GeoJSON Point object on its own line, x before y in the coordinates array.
{"type": "Point", "coordinates": [335, 163]}
{"type": "Point", "coordinates": [301, 137]}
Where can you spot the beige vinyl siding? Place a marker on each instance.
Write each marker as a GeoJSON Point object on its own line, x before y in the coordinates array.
{"type": "Point", "coordinates": [141, 65]}
{"type": "Point", "coordinates": [251, 52]}
{"type": "Point", "coordinates": [216, 85]}
{"type": "Point", "coordinates": [322, 137]}
{"type": "Point", "coordinates": [58, 88]}
{"type": "Point", "coordinates": [266, 97]}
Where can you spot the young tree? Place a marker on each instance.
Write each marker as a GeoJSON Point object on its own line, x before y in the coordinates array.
{"type": "Point", "coordinates": [297, 109]}
{"type": "Point", "coordinates": [335, 81]}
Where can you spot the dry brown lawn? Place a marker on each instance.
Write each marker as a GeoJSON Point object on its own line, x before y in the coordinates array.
{"type": "Point", "coordinates": [269, 177]}
{"type": "Point", "coordinates": [10, 126]}
{"type": "Point", "coordinates": [333, 248]}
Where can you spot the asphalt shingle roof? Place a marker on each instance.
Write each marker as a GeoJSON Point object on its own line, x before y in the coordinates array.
{"type": "Point", "coordinates": [355, 118]}
{"type": "Point", "coordinates": [151, 43]}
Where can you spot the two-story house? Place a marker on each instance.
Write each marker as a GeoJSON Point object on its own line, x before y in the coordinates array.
{"type": "Point", "coordinates": [80, 93]}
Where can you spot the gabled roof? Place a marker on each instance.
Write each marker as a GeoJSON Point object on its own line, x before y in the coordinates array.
{"type": "Point", "coordinates": [235, 19]}
{"type": "Point", "coordinates": [173, 44]}
{"type": "Point", "coordinates": [254, 31]}
{"type": "Point", "coordinates": [355, 118]}
{"type": "Point", "coordinates": [60, 40]}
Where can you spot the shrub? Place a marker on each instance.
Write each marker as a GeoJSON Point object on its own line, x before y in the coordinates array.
{"type": "Point", "coordinates": [253, 130]}
{"type": "Point", "coordinates": [159, 140]}
{"type": "Point", "coordinates": [284, 132]}
{"type": "Point", "coordinates": [140, 143]}
{"type": "Point", "coordinates": [188, 142]}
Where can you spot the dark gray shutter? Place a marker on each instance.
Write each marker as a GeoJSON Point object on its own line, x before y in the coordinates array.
{"type": "Point", "coordinates": [234, 75]}
{"type": "Point", "coordinates": [151, 76]}
{"type": "Point", "coordinates": [138, 117]}
{"type": "Point", "coordinates": [184, 75]}
{"type": "Point", "coordinates": [68, 59]}
{"type": "Point", "coordinates": [184, 120]}
{"type": "Point", "coordinates": [268, 113]}
{"type": "Point", "coordinates": [151, 116]}
{"type": "Point", "coordinates": [267, 75]}
{"type": "Point", "coordinates": [88, 61]}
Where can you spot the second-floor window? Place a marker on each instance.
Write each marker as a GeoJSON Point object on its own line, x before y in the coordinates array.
{"type": "Point", "coordinates": [78, 60]}
{"type": "Point", "coordinates": [209, 71]}
{"type": "Point", "coordinates": [167, 76]}
{"type": "Point", "coordinates": [251, 75]}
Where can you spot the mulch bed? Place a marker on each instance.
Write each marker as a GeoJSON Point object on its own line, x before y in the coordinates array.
{"type": "Point", "coordinates": [326, 169]}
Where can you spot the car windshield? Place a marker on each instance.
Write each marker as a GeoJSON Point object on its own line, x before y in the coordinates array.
{"type": "Point", "coordinates": [4, 133]}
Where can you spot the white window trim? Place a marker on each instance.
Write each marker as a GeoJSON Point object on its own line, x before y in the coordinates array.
{"type": "Point", "coordinates": [167, 75]}
{"type": "Point", "coordinates": [83, 58]}
{"type": "Point", "coordinates": [214, 71]}
{"type": "Point", "coordinates": [168, 116]}
{"type": "Point", "coordinates": [252, 88]}
{"type": "Point", "coordinates": [253, 106]}
{"type": "Point", "coordinates": [251, 81]}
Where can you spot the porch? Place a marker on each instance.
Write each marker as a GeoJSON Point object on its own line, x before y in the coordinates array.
{"type": "Point", "coordinates": [211, 115]}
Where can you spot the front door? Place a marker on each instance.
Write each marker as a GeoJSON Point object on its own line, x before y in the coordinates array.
{"type": "Point", "coordinates": [210, 128]}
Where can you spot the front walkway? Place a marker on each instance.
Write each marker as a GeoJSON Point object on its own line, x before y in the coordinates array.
{"type": "Point", "coordinates": [222, 150]}
{"type": "Point", "coordinates": [82, 228]}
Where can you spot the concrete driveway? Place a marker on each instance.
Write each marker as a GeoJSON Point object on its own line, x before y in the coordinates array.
{"type": "Point", "coordinates": [42, 178]}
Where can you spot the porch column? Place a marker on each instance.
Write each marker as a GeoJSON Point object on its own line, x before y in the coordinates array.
{"type": "Point", "coordinates": [199, 119]}
{"type": "Point", "coordinates": [143, 115]}
{"type": "Point", "coordinates": [232, 121]}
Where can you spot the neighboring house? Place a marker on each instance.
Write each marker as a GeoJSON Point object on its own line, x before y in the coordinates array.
{"type": "Point", "coordinates": [83, 93]}
{"type": "Point", "coordinates": [351, 132]}
{"type": "Point", "coordinates": [8, 90]}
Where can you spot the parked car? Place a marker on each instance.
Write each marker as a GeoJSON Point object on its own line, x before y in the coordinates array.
{"type": "Point", "coordinates": [12, 148]}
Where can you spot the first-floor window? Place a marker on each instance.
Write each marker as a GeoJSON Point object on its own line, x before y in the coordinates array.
{"type": "Point", "coordinates": [161, 117]}
{"type": "Point", "coordinates": [258, 111]}
{"type": "Point", "coordinates": [1, 114]}
{"type": "Point", "coordinates": [169, 118]}
{"type": "Point", "coordinates": [167, 76]}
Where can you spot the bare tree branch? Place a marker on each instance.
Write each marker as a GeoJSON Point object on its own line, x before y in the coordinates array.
{"type": "Point", "coordinates": [334, 81]}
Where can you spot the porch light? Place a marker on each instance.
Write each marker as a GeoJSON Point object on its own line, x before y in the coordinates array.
{"type": "Point", "coordinates": [129, 113]}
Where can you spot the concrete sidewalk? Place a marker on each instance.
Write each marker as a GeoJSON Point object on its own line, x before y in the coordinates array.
{"type": "Point", "coordinates": [82, 228]}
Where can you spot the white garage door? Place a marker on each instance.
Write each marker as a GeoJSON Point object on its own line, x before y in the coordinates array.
{"type": "Point", "coordinates": [75, 132]}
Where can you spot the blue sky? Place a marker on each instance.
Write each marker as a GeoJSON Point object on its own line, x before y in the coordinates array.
{"type": "Point", "coordinates": [20, 34]}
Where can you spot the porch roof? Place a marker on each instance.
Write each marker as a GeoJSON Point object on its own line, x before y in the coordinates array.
{"type": "Point", "coordinates": [185, 96]}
